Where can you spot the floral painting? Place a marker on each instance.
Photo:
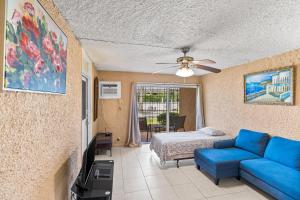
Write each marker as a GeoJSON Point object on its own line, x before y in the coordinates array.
{"type": "Point", "coordinates": [270, 87]}
{"type": "Point", "coordinates": [35, 49]}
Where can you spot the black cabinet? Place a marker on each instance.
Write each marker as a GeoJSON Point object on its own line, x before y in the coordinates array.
{"type": "Point", "coordinates": [99, 185]}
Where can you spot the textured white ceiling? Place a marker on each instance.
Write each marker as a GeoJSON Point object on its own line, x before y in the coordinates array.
{"type": "Point", "coordinates": [132, 35]}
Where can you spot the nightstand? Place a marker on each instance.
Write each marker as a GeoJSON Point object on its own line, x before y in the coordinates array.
{"type": "Point", "coordinates": [104, 141]}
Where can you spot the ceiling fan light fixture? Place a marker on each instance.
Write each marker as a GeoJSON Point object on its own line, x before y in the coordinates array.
{"type": "Point", "coordinates": [185, 72]}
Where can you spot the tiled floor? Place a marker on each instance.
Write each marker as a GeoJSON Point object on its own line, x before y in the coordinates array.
{"type": "Point", "coordinates": [138, 176]}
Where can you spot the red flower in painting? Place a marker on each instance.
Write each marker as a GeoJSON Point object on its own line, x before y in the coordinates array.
{"type": "Point", "coordinates": [47, 45]}
{"type": "Point", "coordinates": [16, 17]}
{"type": "Point", "coordinates": [29, 8]}
{"type": "Point", "coordinates": [29, 47]}
{"type": "Point", "coordinates": [11, 57]}
{"type": "Point", "coordinates": [54, 37]}
{"type": "Point", "coordinates": [33, 51]}
{"type": "Point", "coordinates": [57, 62]}
{"type": "Point", "coordinates": [39, 65]}
{"type": "Point", "coordinates": [59, 68]}
{"type": "Point", "coordinates": [30, 26]}
{"type": "Point", "coordinates": [62, 52]}
{"type": "Point", "coordinates": [24, 41]}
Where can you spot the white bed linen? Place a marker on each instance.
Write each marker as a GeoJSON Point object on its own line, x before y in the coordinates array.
{"type": "Point", "coordinates": [176, 145]}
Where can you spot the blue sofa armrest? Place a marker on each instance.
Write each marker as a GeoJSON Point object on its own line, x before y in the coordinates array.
{"type": "Point", "coordinates": [224, 144]}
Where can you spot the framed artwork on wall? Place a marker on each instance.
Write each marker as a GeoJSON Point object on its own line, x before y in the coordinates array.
{"type": "Point", "coordinates": [35, 55]}
{"type": "Point", "coordinates": [96, 97]}
{"type": "Point", "coordinates": [274, 87]}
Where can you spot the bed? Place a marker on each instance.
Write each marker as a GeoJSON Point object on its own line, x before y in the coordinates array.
{"type": "Point", "coordinates": [181, 145]}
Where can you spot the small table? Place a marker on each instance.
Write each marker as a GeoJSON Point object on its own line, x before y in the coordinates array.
{"type": "Point", "coordinates": [104, 141]}
{"type": "Point", "coordinates": [156, 128]}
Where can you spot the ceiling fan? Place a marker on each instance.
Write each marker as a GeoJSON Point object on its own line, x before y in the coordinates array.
{"type": "Point", "coordinates": [186, 63]}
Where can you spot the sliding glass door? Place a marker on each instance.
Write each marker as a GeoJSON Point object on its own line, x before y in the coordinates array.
{"type": "Point", "coordinates": [165, 107]}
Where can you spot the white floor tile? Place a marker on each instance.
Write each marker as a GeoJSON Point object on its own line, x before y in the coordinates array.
{"type": "Point", "coordinates": [131, 164]}
{"type": "Point", "coordinates": [139, 176]}
{"type": "Point", "coordinates": [144, 149]}
{"type": "Point", "coordinates": [165, 193]}
{"type": "Point", "coordinates": [118, 196]}
{"type": "Point", "coordinates": [187, 192]}
{"type": "Point", "coordinates": [142, 155]}
{"type": "Point", "coordinates": [118, 178]}
{"type": "Point", "coordinates": [129, 173]}
{"type": "Point", "coordinates": [118, 186]}
{"type": "Point", "coordinates": [189, 171]}
{"type": "Point", "coordinates": [152, 171]}
{"type": "Point", "coordinates": [175, 176]}
{"type": "Point", "coordinates": [157, 181]}
{"type": "Point", "coordinates": [148, 160]}
{"type": "Point", "coordinates": [226, 186]}
{"type": "Point", "coordinates": [118, 173]}
{"type": "Point", "coordinates": [134, 185]}
{"type": "Point", "coordinates": [245, 195]}
{"type": "Point", "coordinates": [141, 195]}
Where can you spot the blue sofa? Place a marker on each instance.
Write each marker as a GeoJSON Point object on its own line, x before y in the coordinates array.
{"type": "Point", "coordinates": [278, 172]}
{"type": "Point", "coordinates": [224, 160]}
{"type": "Point", "coordinates": [275, 168]}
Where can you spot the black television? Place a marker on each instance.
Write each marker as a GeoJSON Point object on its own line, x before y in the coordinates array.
{"type": "Point", "coordinates": [87, 163]}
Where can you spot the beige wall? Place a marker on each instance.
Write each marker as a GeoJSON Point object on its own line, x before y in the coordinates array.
{"type": "Point", "coordinates": [2, 25]}
{"type": "Point", "coordinates": [40, 134]}
{"type": "Point", "coordinates": [187, 105]}
{"type": "Point", "coordinates": [224, 107]}
{"type": "Point", "coordinates": [114, 114]}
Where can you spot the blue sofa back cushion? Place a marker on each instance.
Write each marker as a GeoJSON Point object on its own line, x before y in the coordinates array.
{"type": "Point", "coordinates": [252, 141]}
{"type": "Point", "coordinates": [284, 151]}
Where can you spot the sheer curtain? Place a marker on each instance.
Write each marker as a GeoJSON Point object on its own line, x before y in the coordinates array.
{"type": "Point", "coordinates": [134, 134]}
{"type": "Point", "coordinates": [199, 108]}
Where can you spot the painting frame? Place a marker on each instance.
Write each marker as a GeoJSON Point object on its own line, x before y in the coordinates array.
{"type": "Point", "coordinates": [4, 58]}
{"type": "Point", "coordinates": [291, 69]}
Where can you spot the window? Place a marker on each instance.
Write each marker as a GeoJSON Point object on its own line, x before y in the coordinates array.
{"type": "Point", "coordinates": [161, 108]}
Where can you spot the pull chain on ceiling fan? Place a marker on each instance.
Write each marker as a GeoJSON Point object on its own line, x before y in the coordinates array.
{"type": "Point", "coordinates": [186, 63]}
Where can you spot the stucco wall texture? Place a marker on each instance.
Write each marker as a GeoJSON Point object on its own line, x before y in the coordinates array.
{"type": "Point", "coordinates": [224, 105]}
{"type": "Point", "coordinates": [40, 134]}
{"type": "Point", "coordinates": [114, 114]}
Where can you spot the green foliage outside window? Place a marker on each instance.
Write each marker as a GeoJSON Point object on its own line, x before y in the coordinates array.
{"type": "Point", "coordinates": [161, 118]}
{"type": "Point", "coordinates": [158, 97]}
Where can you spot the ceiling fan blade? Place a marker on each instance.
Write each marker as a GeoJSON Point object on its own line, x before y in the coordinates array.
{"type": "Point", "coordinates": [207, 68]}
{"type": "Point", "coordinates": [166, 68]}
{"type": "Point", "coordinates": [204, 61]}
{"type": "Point", "coordinates": [166, 63]}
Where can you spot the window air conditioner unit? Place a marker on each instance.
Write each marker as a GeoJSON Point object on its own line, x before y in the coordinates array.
{"type": "Point", "coordinates": [110, 89]}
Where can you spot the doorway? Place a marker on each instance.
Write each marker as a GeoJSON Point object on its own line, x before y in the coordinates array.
{"type": "Point", "coordinates": [86, 74]}
{"type": "Point", "coordinates": [84, 113]}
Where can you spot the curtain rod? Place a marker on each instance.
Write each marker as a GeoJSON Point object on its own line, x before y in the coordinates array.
{"type": "Point", "coordinates": [155, 83]}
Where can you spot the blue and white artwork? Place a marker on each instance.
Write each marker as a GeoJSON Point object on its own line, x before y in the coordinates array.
{"type": "Point", "coordinates": [270, 87]}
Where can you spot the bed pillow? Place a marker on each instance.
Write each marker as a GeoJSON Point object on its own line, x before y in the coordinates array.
{"type": "Point", "coordinates": [211, 131]}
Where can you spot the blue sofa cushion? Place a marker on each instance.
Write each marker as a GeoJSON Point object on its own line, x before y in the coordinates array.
{"type": "Point", "coordinates": [224, 144]}
{"type": "Point", "coordinates": [284, 151]}
{"type": "Point", "coordinates": [252, 141]}
{"type": "Point", "coordinates": [284, 179]}
{"type": "Point", "coordinates": [224, 158]}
